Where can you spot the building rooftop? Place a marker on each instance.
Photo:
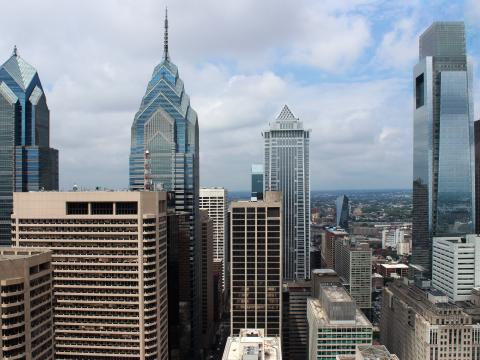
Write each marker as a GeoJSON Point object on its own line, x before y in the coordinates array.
{"type": "Point", "coordinates": [14, 253]}
{"type": "Point", "coordinates": [336, 230]}
{"type": "Point", "coordinates": [394, 266]}
{"type": "Point", "coordinates": [252, 345]}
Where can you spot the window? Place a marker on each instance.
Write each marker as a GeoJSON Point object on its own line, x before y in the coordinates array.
{"type": "Point", "coordinates": [420, 91]}
{"type": "Point", "coordinates": [77, 208]}
{"type": "Point", "coordinates": [102, 208]}
{"type": "Point", "coordinates": [126, 208]}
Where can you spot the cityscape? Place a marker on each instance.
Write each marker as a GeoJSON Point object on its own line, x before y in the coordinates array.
{"type": "Point", "coordinates": [265, 245]}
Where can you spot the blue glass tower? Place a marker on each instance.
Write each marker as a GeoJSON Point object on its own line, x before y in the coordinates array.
{"type": "Point", "coordinates": [342, 210]}
{"type": "Point", "coordinates": [443, 148]}
{"type": "Point", "coordinates": [167, 127]}
{"type": "Point", "coordinates": [27, 163]}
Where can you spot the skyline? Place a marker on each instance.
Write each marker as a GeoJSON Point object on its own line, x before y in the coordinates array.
{"type": "Point", "coordinates": [238, 80]}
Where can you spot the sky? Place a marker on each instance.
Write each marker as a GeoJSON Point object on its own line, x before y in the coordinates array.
{"type": "Point", "coordinates": [344, 67]}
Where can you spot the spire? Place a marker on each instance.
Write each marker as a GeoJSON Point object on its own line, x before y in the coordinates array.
{"type": "Point", "coordinates": [15, 53]}
{"type": "Point", "coordinates": [165, 37]}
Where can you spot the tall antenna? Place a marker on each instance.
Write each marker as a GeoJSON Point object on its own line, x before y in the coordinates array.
{"type": "Point", "coordinates": [147, 173]}
{"type": "Point", "coordinates": [165, 37]}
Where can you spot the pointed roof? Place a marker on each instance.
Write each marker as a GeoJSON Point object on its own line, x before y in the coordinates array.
{"type": "Point", "coordinates": [286, 115]}
{"type": "Point", "coordinates": [21, 71]}
{"type": "Point", "coordinates": [7, 93]}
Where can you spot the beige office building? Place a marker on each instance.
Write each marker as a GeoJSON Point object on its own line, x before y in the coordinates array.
{"type": "Point", "coordinates": [109, 257]}
{"type": "Point", "coordinates": [418, 324]}
{"type": "Point", "coordinates": [26, 320]}
{"type": "Point", "coordinates": [256, 276]}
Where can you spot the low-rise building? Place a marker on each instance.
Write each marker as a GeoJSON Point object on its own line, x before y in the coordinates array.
{"type": "Point", "coordinates": [387, 270]}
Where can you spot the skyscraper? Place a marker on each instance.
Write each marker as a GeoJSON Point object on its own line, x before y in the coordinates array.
{"type": "Point", "coordinates": [257, 182]}
{"type": "Point", "coordinates": [476, 128]}
{"type": "Point", "coordinates": [256, 258]}
{"type": "Point", "coordinates": [109, 259]}
{"type": "Point", "coordinates": [27, 163]}
{"type": "Point", "coordinates": [167, 127]}
{"type": "Point", "coordinates": [342, 211]}
{"type": "Point", "coordinates": [287, 170]}
{"type": "Point", "coordinates": [443, 171]}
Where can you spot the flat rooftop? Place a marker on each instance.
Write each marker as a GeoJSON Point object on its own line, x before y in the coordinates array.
{"type": "Point", "coordinates": [252, 345]}
{"type": "Point", "coordinates": [394, 266]}
{"type": "Point", "coordinates": [12, 253]}
{"type": "Point", "coordinates": [323, 321]}
{"type": "Point", "coordinates": [336, 294]}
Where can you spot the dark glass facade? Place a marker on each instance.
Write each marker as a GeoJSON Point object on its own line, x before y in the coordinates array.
{"type": "Point", "coordinates": [477, 175]}
{"type": "Point", "coordinates": [27, 163]}
{"type": "Point", "coordinates": [342, 210]}
{"type": "Point", "coordinates": [443, 157]}
{"type": "Point", "coordinates": [257, 182]}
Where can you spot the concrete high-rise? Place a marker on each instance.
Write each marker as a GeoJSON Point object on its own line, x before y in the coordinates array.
{"type": "Point", "coordinates": [257, 182]}
{"type": "Point", "coordinates": [165, 138]}
{"type": "Point", "coordinates": [287, 169]}
{"type": "Point", "coordinates": [109, 257]}
{"type": "Point", "coordinates": [26, 319]}
{"type": "Point", "coordinates": [330, 237]}
{"type": "Point", "coordinates": [336, 325]}
{"type": "Point", "coordinates": [342, 211]}
{"type": "Point", "coordinates": [27, 162]}
{"type": "Point", "coordinates": [456, 265]}
{"type": "Point", "coordinates": [443, 158]}
{"type": "Point", "coordinates": [214, 200]}
{"type": "Point", "coordinates": [418, 324]}
{"type": "Point", "coordinates": [256, 276]}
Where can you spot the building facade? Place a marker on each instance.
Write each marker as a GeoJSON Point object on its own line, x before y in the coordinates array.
{"type": "Point", "coordinates": [257, 182]}
{"type": "Point", "coordinates": [109, 256]}
{"type": "Point", "coordinates": [335, 325]}
{"type": "Point", "coordinates": [26, 318]}
{"type": "Point", "coordinates": [418, 324]}
{"type": "Point", "coordinates": [456, 265]}
{"type": "Point", "coordinates": [342, 211]}
{"type": "Point", "coordinates": [164, 154]}
{"type": "Point", "coordinates": [27, 162]}
{"type": "Point", "coordinates": [331, 236]}
{"type": "Point", "coordinates": [294, 319]}
{"type": "Point", "coordinates": [256, 278]}
{"type": "Point", "coordinates": [208, 325]}
{"type": "Point", "coordinates": [253, 344]}
{"type": "Point", "coordinates": [214, 200]}
{"type": "Point", "coordinates": [476, 130]}
{"type": "Point", "coordinates": [353, 263]}
{"type": "Point", "coordinates": [287, 170]}
{"type": "Point", "coordinates": [443, 158]}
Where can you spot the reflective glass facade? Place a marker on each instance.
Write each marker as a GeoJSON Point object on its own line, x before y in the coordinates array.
{"type": "Point", "coordinates": [443, 156]}
{"type": "Point", "coordinates": [166, 126]}
{"type": "Point", "coordinates": [257, 182]}
{"type": "Point", "coordinates": [342, 211]}
{"type": "Point", "coordinates": [287, 170]}
{"type": "Point", "coordinates": [27, 163]}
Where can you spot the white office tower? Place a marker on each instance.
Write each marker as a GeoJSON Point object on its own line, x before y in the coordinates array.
{"type": "Point", "coordinates": [251, 344]}
{"type": "Point", "coordinates": [214, 200]}
{"type": "Point", "coordinates": [287, 170]}
{"type": "Point", "coordinates": [456, 265]}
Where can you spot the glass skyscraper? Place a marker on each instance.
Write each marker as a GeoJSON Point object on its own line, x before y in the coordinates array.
{"type": "Point", "coordinates": [342, 210]}
{"type": "Point", "coordinates": [27, 162]}
{"type": "Point", "coordinates": [257, 182]}
{"type": "Point", "coordinates": [166, 126]}
{"type": "Point", "coordinates": [443, 152]}
{"type": "Point", "coordinates": [287, 169]}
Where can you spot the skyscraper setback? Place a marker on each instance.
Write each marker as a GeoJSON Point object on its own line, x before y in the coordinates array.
{"type": "Point", "coordinates": [443, 172]}
{"type": "Point", "coordinates": [27, 162]}
{"type": "Point", "coordinates": [287, 170]}
{"type": "Point", "coordinates": [166, 127]}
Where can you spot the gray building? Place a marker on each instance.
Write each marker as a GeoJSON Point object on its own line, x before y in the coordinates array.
{"type": "Point", "coordinates": [443, 158]}
{"type": "Point", "coordinates": [27, 162]}
{"type": "Point", "coordinates": [342, 211]}
{"type": "Point", "coordinates": [257, 182]}
{"type": "Point", "coordinates": [287, 170]}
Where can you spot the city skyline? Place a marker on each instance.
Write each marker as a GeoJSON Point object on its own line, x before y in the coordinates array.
{"type": "Point", "coordinates": [279, 65]}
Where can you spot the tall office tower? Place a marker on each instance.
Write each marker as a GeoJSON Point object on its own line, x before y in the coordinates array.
{"type": "Point", "coordinates": [109, 257]}
{"type": "Point", "coordinates": [27, 162]}
{"type": "Point", "coordinates": [354, 265]}
{"type": "Point", "coordinates": [342, 211]}
{"type": "Point", "coordinates": [287, 169]}
{"type": "Point", "coordinates": [256, 260]}
{"type": "Point", "coordinates": [252, 344]}
{"type": "Point", "coordinates": [476, 128]}
{"type": "Point", "coordinates": [207, 278]}
{"type": "Point", "coordinates": [257, 182]}
{"type": "Point", "coordinates": [214, 200]}
{"type": "Point", "coordinates": [443, 172]}
{"type": "Point", "coordinates": [331, 236]}
{"type": "Point", "coordinates": [294, 319]}
{"type": "Point", "coordinates": [335, 324]}
{"type": "Point", "coordinates": [26, 304]}
{"type": "Point", "coordinates": [422, 325]}
{"type": "Point", "coordinates": [456, 266]}
{"type": "Point", "coordinates": [167, 127]}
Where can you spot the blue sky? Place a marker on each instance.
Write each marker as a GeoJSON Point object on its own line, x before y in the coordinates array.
{"type": "Point", "coordinates": [343, 67]}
